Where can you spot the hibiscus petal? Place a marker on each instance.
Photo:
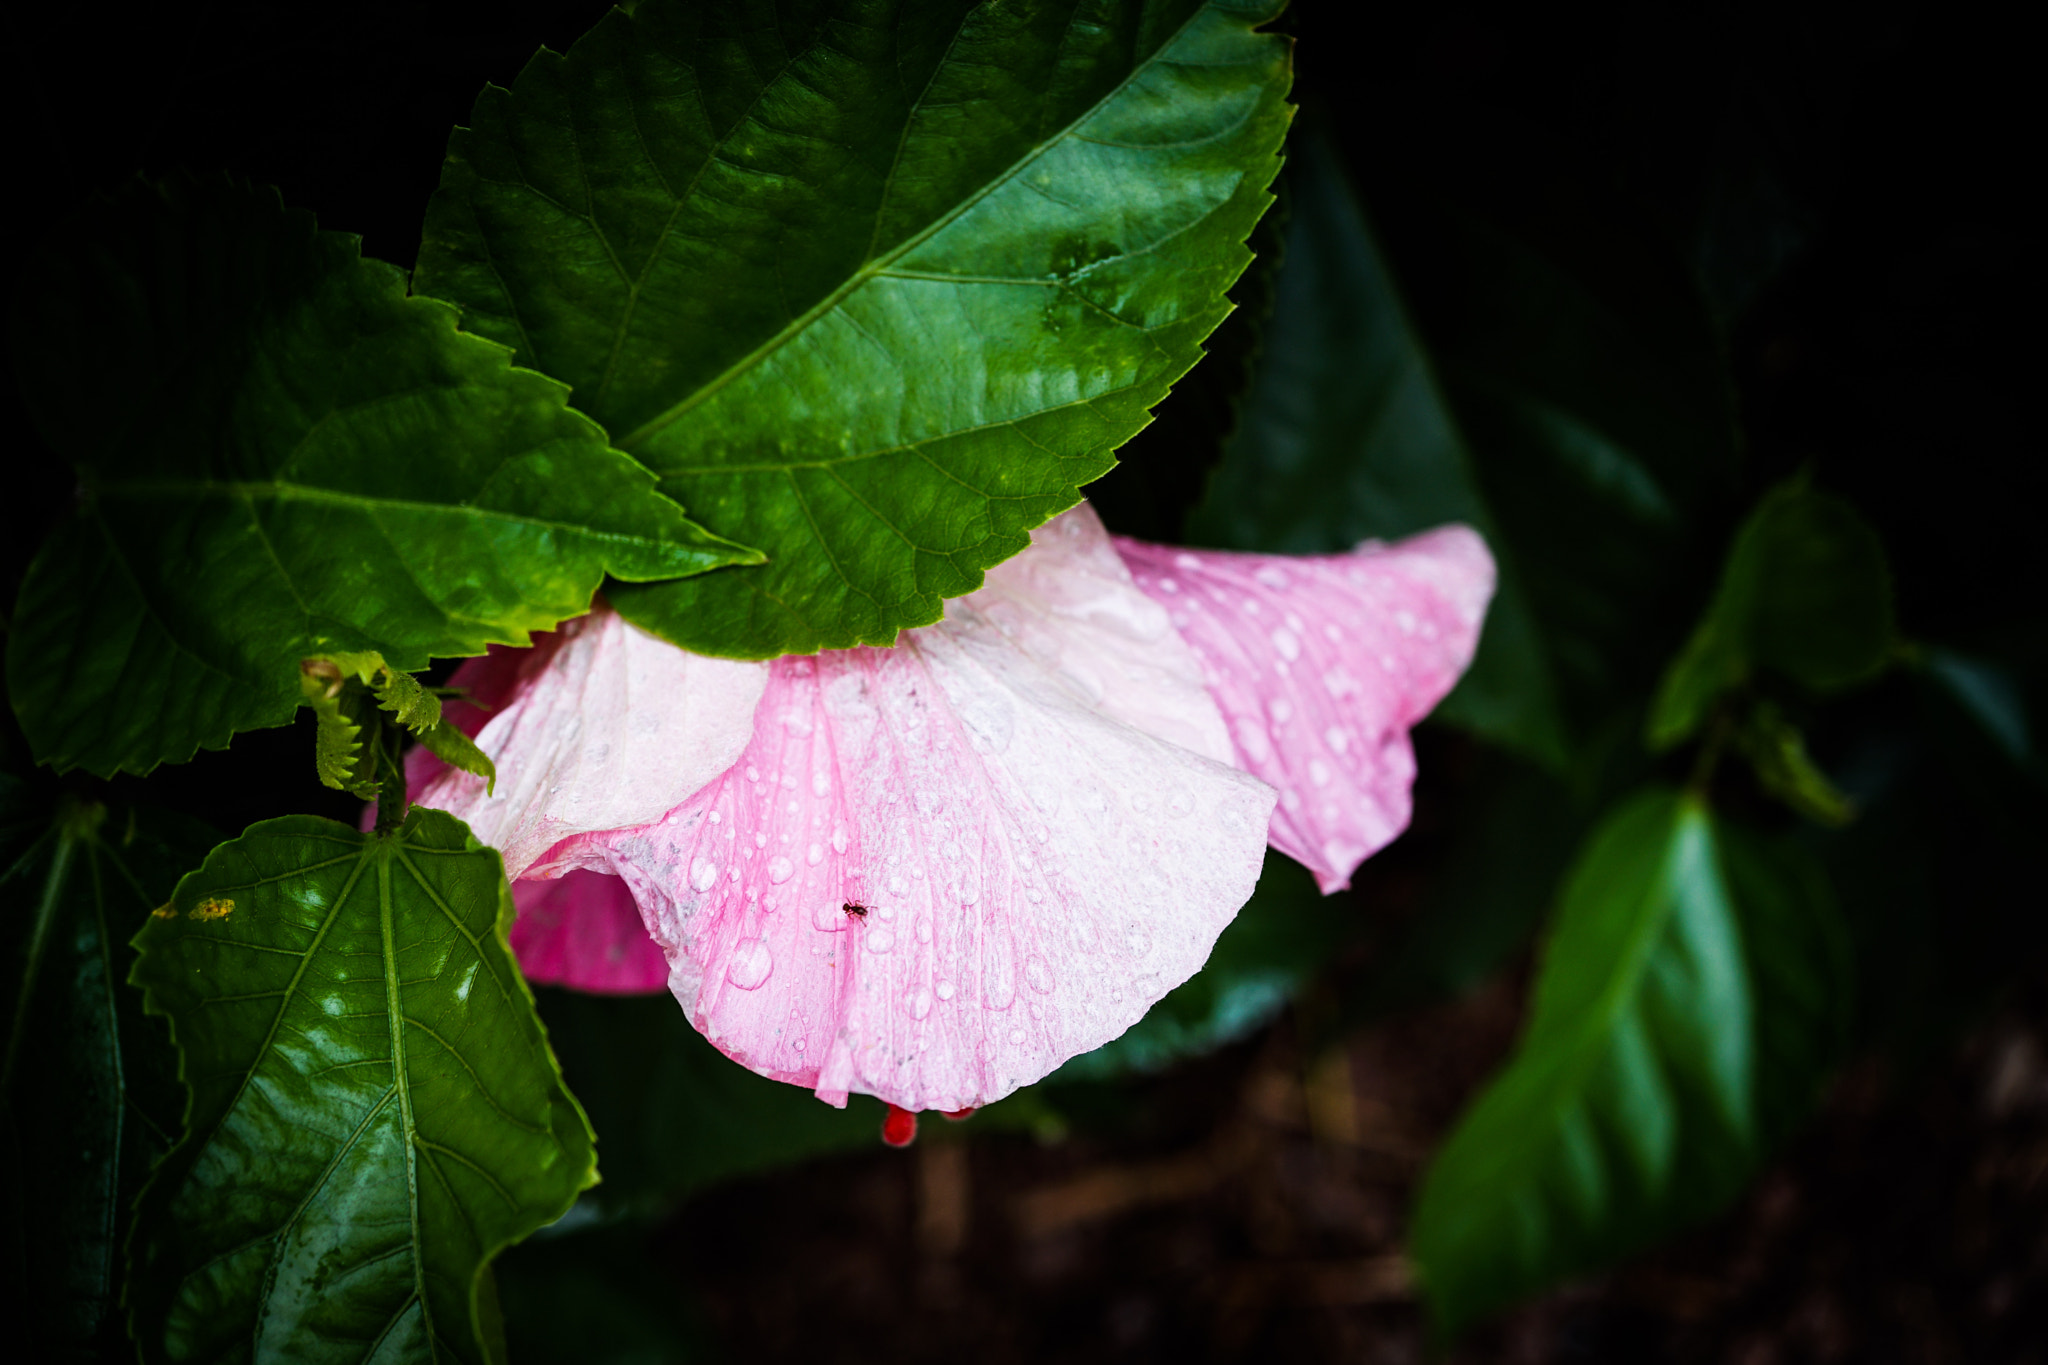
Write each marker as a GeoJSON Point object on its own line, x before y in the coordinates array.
{"type": "Point", "coordinates": [583, 930]}
{"type": "Point", "coordinates": [605, 726]}
{"type": "Point", "coordinates": [1032, 871]}
{"type": "Point", "coordinates": [1321, 665]}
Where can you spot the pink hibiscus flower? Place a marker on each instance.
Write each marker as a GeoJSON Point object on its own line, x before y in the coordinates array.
{"type": "Point", "coordinates": [934, 872]}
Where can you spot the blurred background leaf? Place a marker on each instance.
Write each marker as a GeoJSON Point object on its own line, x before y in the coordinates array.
{"type": "Point", "coordinates": [89, 1097]}
{"type": "Point", "coordinates": [1680, 1015]}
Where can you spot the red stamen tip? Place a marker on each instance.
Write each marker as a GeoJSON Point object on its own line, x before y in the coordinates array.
{"type": "Point", "coordinates": [900, 1128]}
{"type": "Point", "coordinates": [956, 1115]}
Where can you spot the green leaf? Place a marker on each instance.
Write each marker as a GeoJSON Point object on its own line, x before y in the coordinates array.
{"type": "Point", "coordinates": [1805, 593]}
{"type": "Point", "coordinates": [1688, 999]}
{"type": "Point", "coordinates": [676, 1114]}
{"type": "Point", "coordinates": [1281, 937]}
{"type": "Point", "coordinates": [89, 1096]}
{"type": "Point", "coordinates": [873, 285]}
{"type": "Point", "coordinates": [281, 455]}
{"type": "Point", "coordinates": [1346, 435]}
{"type": "Point", "coordinates": [458, 750]}
{"type": "Point", "coordinates": [374, 1109]}
{"type": "Point", "coordinates": [1776, 751]}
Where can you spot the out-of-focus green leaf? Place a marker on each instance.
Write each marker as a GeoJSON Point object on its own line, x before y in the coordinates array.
{"type": "Point", "coordinates": [600, 1296]}
{"type": "Point", "coordinates": [1509, 850]}
{"type": "Point", "coordinates": [1805, 593]}
{"type": "Point", "coordinates": [1345, 435]}
{"type": "Point", "coordinates": [282, 455]}
{"type": "Point", "coordinates": [874, 285]}
{"type": "Point", "coordinates": [676, 1114]}
{"type": "Point", "coordinates": [1279, 939]}
{"type": "Point", "coordinates": [374, 1111]}
{"type": "Point", "coordinates": [1688, 994]}
{"type": "Point", "coordinates": [1777, 752]}
{"type": "Point", "coordinates": [1990, 695]}
{"type": "Point", "coordinates": [89, 1096]}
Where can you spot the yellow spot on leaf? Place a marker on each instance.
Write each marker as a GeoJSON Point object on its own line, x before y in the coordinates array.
{"type": "Point", "coordinates": [212, 908]}
{"type": "Point", "coordinates": [163, 912]}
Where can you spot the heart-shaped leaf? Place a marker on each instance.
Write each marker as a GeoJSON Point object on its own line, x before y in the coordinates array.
{"type": "Point", "coordinates": [374, 1108]}
{"type": "Point", "coordinates": [282, 455]}
{"type": "Point", "coordinates": [874, 285]}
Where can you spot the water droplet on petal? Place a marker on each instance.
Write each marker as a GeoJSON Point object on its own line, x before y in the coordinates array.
{"type": "Point", "coordinates": [1405, 619]}
{"type": "Point", "coordinates": [1319, 772]}
{"type": "Point", "coordinates": [1289, 647]}
{"type": "Point", "coordinates": [780, 870]}
{"type": "Point", "coordinates": [1016, 1036]}
{"type": "Point", "coordinates": [815, 854]}
{"type": "Point", "coordinates": [1336, 739]}
{"type": "Point", "coordinates": [838, 840]}
{"type": "Point", "coordinates": [750, 964]}
{"type": "Point", "coordinates": [879, 941]}
{"type": "Point", "coordinates": [918, 1002]}
{"type": "Point", "coordinates": [821, 784]}
{"type": "Point", "coordinates": [945, 990]}
{"type": "Point", "coordinates": [1038, 975]}
{"type": "Point", "coordinates": [1281, 710]}
{"type": "Point", "coordinates": [703, 872]}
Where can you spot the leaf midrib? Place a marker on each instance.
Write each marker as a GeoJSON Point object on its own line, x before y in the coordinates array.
{"type": "Point", "coordinates": [876, 265]}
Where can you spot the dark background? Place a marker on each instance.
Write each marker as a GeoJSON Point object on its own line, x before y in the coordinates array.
{"type": "Point", "coordinates": [1847, 185]}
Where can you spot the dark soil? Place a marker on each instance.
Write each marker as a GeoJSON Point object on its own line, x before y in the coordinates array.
{"type": "Point", "coordinates": [1256, 1214]}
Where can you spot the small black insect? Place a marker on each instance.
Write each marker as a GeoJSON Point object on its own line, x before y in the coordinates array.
{"type": "Point", "coordinates": [855, 910]}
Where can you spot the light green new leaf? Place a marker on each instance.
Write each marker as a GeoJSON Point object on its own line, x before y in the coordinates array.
{"type": "Point", "coordinates": [282, 455]}
{"type": "Point", "coordinates": [1805, 593]}
{"type": "Point", "coordinates": [1689, 999]}
{"type": "Point", "coordinates": [374, 1108]}
{"type": "Point", "coordinates": [1346, 435]}
{"type": "Point", "coordinates": [89, 1095]}
{"type": "Point", "coordinates": [876, 285]}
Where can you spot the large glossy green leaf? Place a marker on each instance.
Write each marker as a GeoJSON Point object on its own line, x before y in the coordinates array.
{"type": "Point", "coordinates": [280, 455]}
{"type": "Point", "coordinates": [374, 1108]}
{"type": "Point", "coordinates": [876, 285]}
{"type": "Point", "coordinates": [1346, 435]}
{"type": "Point", "coordinates": [1805, 593]}
{"type": "Point", "coordinates": [1689, 997]}
{"type": "Point", "coordinates": [89, 1096]}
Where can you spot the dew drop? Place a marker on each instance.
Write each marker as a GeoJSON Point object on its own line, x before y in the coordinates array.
{"type": "Point", "coordinates": [1016, 1037]}
{"type": "Point", "coordinates": [780, 870]}
{"type": "Point", "coordinates": [1405, 619]}
{"type": "Point", "coordinates": [1281, 710]}
{"type": "Point", "coordinates": [838, 840]}
{"type": "Point", "coordinates": [821, 784]}
{"type": "Point", "coordinates": [716, 817]}
{"type": "Point", "coordinates": [1038, 975]}
{"type": "Point", "coordinates": [799, 1045]}
{"type": "Point", "coordinates": [815, 854]}
{"type": "Point", "coordinates": [1271, 576]}
{"type": "Point", "coordinates": [1336, 739]}
{"type": "Point", "coordinates": [1289, 647]}
{"type": "Point", "coordinates": [753, 773]}
{"type": "Point", "coordinates": [1319, 772]}
{"type": "Point", "coordinates": [760, 839]}
{"type": "Point", "coordinates": [879, 941]}
{"type": "Point", "coordinates": [918, 1002]}
{"type": "Point", "coordinates": [703, 872]}
{"type": "Point", "coordinates": [945, 990]}
{"type": "Point", "coordinates": [750, 964]}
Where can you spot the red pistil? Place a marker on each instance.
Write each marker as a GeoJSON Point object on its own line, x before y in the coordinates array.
{"type": "Point", "coordinates": [900, 1128]}
{"type": "Point", "coordinates": [956, 1115]}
